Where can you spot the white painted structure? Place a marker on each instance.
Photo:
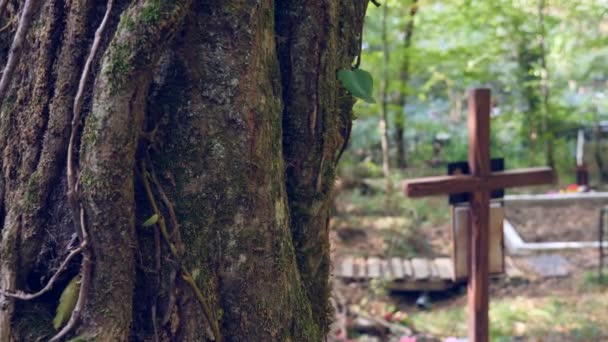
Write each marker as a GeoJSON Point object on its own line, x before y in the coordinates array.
{"type": "Point", "coordinates": [516, 245]}
{"type": "Point", "coordinates": [557, 199]}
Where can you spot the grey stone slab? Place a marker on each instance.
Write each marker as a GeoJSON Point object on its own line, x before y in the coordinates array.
{"type": "Point", "coordinates": [548, 265]}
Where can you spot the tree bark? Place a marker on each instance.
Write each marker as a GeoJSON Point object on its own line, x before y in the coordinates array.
{"type": "Point", "coordinates": [545, 133]}
{"type": "Point", "coordinates": [221, 120]}
{"type": "Point", "coordinates": [400, 143]}
{"type": "Point", "coordinates": [386, 169]}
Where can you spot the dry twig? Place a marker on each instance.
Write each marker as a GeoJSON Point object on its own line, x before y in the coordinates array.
{"type": "Point", "coordinates": [29, 296]}
{"type": "Point", "coordinates": [9, 24]}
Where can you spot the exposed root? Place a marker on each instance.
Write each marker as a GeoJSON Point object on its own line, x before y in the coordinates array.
{"type": "Point", "coordinates": [72, 194]}
{"type": "Point", "coordinates": [15, 52]}
{"type": "Point", "coordinates": [30, 296]}
{"type": "Point", "coordinates": [78, 103]}
{"type": "Point", "coordinates": [185, 274]}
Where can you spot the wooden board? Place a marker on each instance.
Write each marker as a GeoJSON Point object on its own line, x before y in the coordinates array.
{"type": "Point", "coordinates": [373, 268]}
{"type": "Point", "coordinates": [479, 218]}
{"type": "Point", "coordinates": [496, 241]}
{"type": "Point", "coordinates": [434, 270]}
{"type": "Point", "coordinates": [421, 268]}
{"type": "Point", "coordinates": [386, 270]}
{"type": "Point", "coordinates": [441, 185]}
{"type": "Point", "coordinates": [397, 268]}
{"type": "Point", "coordinates": [421, 285]}
{"type": "Point", "coordinates": [360, 268]}
{"type": "Point", "coordinates": [407, 268]}
{"type": "Point", "coordinates": [460, 244]}
{"type": "Point", "coordinates": [347, 268]}
{"type": "Point", "coordinates": [461, 240]}
{"type": "Point", "coordinates": [445, 268]}
{"type": "Point", "coordinates": [401, 274]}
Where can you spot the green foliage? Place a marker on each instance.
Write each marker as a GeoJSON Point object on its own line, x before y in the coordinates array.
{"type": "Point", "coordinates": [151, 221]}
{"type": "Point", "coordinates": [569, 318]}
{"type": "Point", "coordinates": [358, 82]}
{"type": "Point", "coordinates": [151, 12]}
{"type": "Point", "coordinates": [460, 44]}
{"type": "Point", "coordinates": [67, 303]}
{"type": "Point", "coordinates": [591, 279]}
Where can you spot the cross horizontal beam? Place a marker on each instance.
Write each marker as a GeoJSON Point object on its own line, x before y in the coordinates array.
{"type": "Point", "coordinates": [441, 185]}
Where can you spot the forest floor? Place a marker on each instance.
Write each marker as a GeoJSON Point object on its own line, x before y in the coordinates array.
{"type": "Point", "coordinates": [530, 308]}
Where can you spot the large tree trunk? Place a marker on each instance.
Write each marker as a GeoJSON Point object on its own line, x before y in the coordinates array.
{"type": "Point", "coordinates": [223, 120]}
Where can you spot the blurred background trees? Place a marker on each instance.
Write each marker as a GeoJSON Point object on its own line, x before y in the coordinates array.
{"type": "Point", "coordinates": [545, 60]}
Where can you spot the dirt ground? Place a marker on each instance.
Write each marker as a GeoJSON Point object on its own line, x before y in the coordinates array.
{"type": "Point", "coordinates": [564, 223]}
{"type": "Point", "coordinates": [433, 241]}
{"type": "Point", "coordinates": [361, 235]}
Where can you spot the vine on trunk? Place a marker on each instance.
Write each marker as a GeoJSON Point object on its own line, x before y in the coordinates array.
{"type": "Point", "coordinates": [160, 223]}
{"type": "Point", "coordinates": [72, 193]}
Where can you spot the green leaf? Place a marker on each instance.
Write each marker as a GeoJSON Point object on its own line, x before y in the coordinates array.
{"type": "Point", "coordinates": [67, 303]}
{"type": "Point", "coordinates": [358, 82]}
{"type": "Point", "coordinates": [152, 220]}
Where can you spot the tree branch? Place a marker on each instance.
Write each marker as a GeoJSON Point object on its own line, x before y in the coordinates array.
{"type": "Point", "coordinates": [10, 22]}
{"type": "Point", "coordinates": [29, 296]}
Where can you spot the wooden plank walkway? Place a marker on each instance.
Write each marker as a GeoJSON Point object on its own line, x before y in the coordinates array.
{"type": "Point", "coordinates": [402, 274]}
{"type": "Point", "coordinates": [416, 274]}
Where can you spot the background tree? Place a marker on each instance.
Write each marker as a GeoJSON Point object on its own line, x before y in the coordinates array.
{"type": "Point", "coordinates": [384, 100]}
{"type": "Point", "coordinates": [400, 118]}
{"type": "Point", "coordinates": [459, 44]}
{"type": "Point", "coordinates": [173, 162]}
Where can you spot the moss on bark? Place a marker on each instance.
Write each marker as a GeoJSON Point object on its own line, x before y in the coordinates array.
{"type": "Point", "coordinates": [247, 120]}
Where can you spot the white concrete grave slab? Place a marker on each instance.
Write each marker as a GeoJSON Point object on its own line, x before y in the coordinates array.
{"type": "Point", "coordinates": [515, 245]}
{"type": "Point", "coordinates": [557, 199]}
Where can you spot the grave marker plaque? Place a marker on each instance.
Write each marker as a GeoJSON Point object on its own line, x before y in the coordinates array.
{"type": "Point", "coordinates": [461, 239]}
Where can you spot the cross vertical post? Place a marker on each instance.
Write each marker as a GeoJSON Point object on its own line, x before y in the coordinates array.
{"type": "Point", "coordinates": [479, 165]}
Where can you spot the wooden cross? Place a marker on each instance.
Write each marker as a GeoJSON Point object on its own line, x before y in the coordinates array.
{"type": "Point", "coordinates": [479, 184]}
